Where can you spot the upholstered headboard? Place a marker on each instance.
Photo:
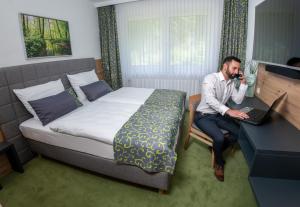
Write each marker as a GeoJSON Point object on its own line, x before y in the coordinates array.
{"type": "Point", "coordinates": [12, 111]}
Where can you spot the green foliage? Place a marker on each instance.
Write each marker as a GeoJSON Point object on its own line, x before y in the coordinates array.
{"type": "Point", "coordinates": [58, 47]}
{"type": "Point", "coordinates": [64, 47]}
{"type": "Point", "coordinates": [35, 46]}
{"type": "Point", "coordinates": [45, 36]}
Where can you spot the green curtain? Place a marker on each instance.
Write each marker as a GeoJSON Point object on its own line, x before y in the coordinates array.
{"type": "Point", "coordinates": [234, 30]}
{"type": "Point", "coordinates": [109, 46]}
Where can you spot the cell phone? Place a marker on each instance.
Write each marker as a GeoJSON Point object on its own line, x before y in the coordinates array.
{"type": "Point", "coordinates": [238, 75]}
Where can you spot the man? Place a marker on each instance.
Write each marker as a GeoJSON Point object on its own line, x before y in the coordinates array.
{"type": "Point", "coordinates": [213, 115]}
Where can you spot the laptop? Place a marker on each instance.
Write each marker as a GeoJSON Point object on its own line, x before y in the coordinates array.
{"type": "Point", "coordinates": [257, 116]}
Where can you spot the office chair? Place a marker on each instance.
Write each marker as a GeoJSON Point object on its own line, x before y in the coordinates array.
{"type": "Point", "coordinates": [194, 131]}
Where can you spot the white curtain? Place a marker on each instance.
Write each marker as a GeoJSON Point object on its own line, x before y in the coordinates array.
{"type": "Point", "coordinates": [169, 44]}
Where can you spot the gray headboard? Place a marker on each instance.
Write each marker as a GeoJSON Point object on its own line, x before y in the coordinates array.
{"type": "Point", "coordinates": [12, 111]}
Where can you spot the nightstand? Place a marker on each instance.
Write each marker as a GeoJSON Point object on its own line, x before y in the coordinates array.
{"type": "Point", "coordinates": [10, 151]}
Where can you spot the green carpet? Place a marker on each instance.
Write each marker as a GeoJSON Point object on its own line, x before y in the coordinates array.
{"type": "Point", "coordinates": [49, 183]}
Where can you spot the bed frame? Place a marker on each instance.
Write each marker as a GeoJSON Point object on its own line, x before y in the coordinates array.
{"type": "Point", "coordinates": [12, 113]}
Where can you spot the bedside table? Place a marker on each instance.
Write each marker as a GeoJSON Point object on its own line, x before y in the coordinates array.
{"type": "Point", "coordinates": [10, 151]}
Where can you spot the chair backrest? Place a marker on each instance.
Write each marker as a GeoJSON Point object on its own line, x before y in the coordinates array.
{"type": "Point", "coordinates": [193, 103]}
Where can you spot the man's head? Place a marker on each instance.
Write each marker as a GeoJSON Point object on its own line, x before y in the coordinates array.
{"type": "Point", "coordinates": [295, 61]}
{"type": "Point", "coordinates": [231, 66]}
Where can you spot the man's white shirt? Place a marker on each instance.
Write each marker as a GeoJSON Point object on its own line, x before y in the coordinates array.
{"type": "Point", "coordinates": [216, 91]}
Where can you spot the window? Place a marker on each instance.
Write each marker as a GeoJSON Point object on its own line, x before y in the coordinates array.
{"type": "Point", "coordinates": [169, 39]}
{"type": "Point", "coordinates": [187, 45]}
{"type": "Point", "coordinates": [143, 49]}
{"type": "Point", "coordinates": [179, 43]}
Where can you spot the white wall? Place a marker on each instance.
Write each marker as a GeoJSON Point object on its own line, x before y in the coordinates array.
{"type": "Point", "coordinates": [83, 25]}
{"type": "Point", "coordinates": [251, 23]}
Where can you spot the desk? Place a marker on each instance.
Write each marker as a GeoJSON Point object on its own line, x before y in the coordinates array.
{"type": "Point", "coordinates": [272, 152]}
{"type": "Point", "coordinates": [12, 156]}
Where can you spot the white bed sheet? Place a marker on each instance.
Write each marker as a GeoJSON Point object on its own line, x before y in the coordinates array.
{"type": "Point", "coordinates": [34, 130]}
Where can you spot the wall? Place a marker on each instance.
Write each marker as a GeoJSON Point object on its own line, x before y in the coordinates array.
{"type": "Point", "coordinates": [83, 25]}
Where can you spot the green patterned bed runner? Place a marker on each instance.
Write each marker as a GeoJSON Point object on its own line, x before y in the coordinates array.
{"type": "Point", "coordinates": [147, 139]}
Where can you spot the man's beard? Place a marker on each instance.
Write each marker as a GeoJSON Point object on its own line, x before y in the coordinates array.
{"type": "Point", "coordinates": [230, 76]}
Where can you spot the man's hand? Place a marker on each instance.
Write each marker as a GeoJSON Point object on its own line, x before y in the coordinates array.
{"type": "Point", "coordinates": [242, 78]}
{"type": "Point", "coordinates": [237, 114]}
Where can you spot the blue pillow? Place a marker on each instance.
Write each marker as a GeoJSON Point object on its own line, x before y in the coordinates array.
{"type": "Point", "coordinates": [95, 90]}
{"type": "Point", "coordinates": [52, 107]}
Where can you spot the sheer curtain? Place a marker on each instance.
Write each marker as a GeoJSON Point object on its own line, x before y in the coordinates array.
{"type": "Point", "coordinates": [169, 44]}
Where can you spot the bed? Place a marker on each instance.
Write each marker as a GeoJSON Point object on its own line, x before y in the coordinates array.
{"type": "Point", "coordinates": [86, 150]}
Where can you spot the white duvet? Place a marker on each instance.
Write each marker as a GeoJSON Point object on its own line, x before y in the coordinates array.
{"type": "Point", "coordinates": [128, 95]}
{"type": "Point", "coordinates": [102, 119]}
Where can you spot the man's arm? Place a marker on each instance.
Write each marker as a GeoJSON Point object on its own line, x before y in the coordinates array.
{"type": "Point", "coordinates": [238, 95]}
{"type": "Point", "coordinates": [237, 114]}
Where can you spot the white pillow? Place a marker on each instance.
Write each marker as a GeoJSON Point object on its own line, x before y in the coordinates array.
{"type": "Point", "coordinates": [82, 79]}
{"type": "Point", "coordinates": [37, 92]}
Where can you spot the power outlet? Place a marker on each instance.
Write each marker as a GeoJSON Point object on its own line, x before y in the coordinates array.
{"type": "Point", "coordinates": [258, 90]}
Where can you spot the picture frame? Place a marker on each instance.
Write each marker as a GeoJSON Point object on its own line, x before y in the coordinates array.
{"type": "Point", "coordinates": [45, 37]}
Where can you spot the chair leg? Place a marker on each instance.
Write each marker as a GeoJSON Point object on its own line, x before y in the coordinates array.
{"type": "Point", "coordinates": [232, 150]}
{"type": "Point", "coordinates": [186, 143]}
{"type": "Point", "coordinates": [212, 158]}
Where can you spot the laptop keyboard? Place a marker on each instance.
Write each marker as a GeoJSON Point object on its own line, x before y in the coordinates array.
{"type": "Point", "coordinates": [256, 114]}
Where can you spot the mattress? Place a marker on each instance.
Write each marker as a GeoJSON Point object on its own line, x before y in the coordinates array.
{"type": "Point", "coordinates": [33, 129]}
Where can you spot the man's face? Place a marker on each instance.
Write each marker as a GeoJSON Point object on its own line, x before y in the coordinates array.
{"type": "Point", "coordinates": [232, 68]}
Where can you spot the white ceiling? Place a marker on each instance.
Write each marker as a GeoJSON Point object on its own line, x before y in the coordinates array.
{"type": "Point", "coordinates": [100, 3]}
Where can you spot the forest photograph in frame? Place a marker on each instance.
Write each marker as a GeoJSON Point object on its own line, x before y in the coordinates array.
{"type": "Point", "coordinates": [44, 37]}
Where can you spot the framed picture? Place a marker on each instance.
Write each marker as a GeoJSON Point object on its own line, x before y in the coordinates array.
{"type": "Point", "coordinates": [44, 37]}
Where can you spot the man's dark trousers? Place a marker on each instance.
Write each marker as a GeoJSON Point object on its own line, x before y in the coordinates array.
{"type": "Point", "coordinates": [211, 124]}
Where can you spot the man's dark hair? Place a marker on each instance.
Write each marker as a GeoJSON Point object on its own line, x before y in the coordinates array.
{"type": "Point", "coordinates": [293, 61]}
{"type": "Point", "coordinates": [231, 58]}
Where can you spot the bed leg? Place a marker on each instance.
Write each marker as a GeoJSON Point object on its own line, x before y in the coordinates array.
{"type": "Point", "coordinates": [162, 192]}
